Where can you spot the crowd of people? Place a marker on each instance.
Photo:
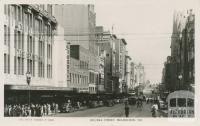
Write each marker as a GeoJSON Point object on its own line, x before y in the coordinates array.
{"type": "Point", "coordinates": [32, 110]}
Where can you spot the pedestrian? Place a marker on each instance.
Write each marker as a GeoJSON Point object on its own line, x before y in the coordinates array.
{"type": "Point", "coordinates": [56, 108]}
{"type": "Point", "coordinates": [9, 110]}
{"type": "Point", "coordinates": [126, 109]}
{"type": "Point", "coordinates": [154, 109]}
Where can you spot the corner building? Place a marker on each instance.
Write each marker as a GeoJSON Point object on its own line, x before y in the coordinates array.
{"type": "Point", "coordinates": [28, 47]}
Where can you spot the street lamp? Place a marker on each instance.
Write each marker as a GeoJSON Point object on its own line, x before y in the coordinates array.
{"type": "Point", "coordinates": [180, 77]}
{"type": "Point", "coordinates": [28, 80]}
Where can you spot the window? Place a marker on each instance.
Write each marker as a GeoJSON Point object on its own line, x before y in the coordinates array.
{"type": "Point", "coordinates": [5, 34]}
{"type": "Point", "coordinates": [8, 64]}
{"type": "Point", "coordinates": [31, 44]}
{"type": "Point", "coordinates": [181, 102]}
{"type": "Point", "coordinates": [190, 102]}
{"type": "Point", "coordinates": [5, 63]}
{"type": "Point", "coordinates": [49, 9]}
{"type": "Point", "coordinates": [22, 44]}
{"type": "Point", "coordinates": [45, 32]}
{"type": "Point", "coordinates": [173, 102]}
{"type": "Point", "coordinates": [18, 66]}
{"type": "Point", "coordinates": [18, 40]}
{"type": "Point", "coordinates": [22, 66]}
{"type": "Point", "coordinates": [26, 22]}
{"type": "Point", "coordinates": [8, 35]}
{"type": "Point", "coordinates": [15, 65]}
{"type": "Point", "coordinates": [15, 39]}
{"type": "Point", "coordinates": [70, 77]}
{"type": "Point", "coordinates": [37, 27]}
{"type": "Point", "coordinates": [5, 9]}
{"type": "Point", "coordinates": [15, 13]}
{"type": "Point", "coordinates": [19, 13]}
{"type": "Point", "coordinates": [40, 27]}
{"type": "Point", "coordinates": [31, 21]}
{"type": "Point", "coordinates": [78, 78]}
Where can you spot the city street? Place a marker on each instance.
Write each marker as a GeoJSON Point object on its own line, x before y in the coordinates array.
{"type": "Point", "coordinates": [114, 111]}
{"type": "Point", "coordinates": [83, 58]}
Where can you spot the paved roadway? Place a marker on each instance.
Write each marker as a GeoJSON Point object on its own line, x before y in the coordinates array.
{"type": "Point", "coordinates": [114, 111]}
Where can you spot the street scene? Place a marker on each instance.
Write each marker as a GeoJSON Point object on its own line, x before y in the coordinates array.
{"type": "Point", "coordinates": [99, 60]}
{"type": "Point", "coordinates": [114, 111]}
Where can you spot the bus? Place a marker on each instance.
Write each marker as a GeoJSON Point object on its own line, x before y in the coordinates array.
{"type": "Point", "coordinates": [181, 104]}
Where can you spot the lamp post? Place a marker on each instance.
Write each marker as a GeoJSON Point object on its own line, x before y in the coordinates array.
{"type": "Point", "coordinates": [180, 77]}
{"type": "Point", "coordinates": [28, 80]}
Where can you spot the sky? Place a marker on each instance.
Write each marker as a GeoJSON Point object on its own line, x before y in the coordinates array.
{"type": "Point", "coordinates": [146, 25]}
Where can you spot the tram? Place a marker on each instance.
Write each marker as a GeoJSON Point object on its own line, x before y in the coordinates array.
{"type": "Point", "coordinates": [181, 104]}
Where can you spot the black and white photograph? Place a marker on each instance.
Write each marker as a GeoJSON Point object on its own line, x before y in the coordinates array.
{"type": "Point", "coordinates": [121, 59]}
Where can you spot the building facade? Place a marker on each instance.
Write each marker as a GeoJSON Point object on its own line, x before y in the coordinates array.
{"type": "Point", "coordinates": [61, 54]}
{"type": "Point", "coordinates": [140, 74]}
{"type": "Point", "coordinates": [127, 73]}
{"type": "Point", "coordinates": [79, 74]}
{"type": "Point", "coordinates": [28, 47]}
{"type": "Point", "coordinates": [79, 22]}
{"type": "Point", "coordinates": [106, 44]}
{"type": "Point", "coordinates": [120, 45]}
{"type": "Point", "coordinates": [132, 76]}
{"type": "Point", "coordinates": [102, 57]}
{"type": "Point", "coordinates": [182, 50]}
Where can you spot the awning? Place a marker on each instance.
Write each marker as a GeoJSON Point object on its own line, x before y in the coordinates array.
{"type": "Point", "coordinates": [26, 87]}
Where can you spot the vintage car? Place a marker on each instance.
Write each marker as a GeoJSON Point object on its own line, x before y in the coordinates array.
{"type": "Point", "coordinates": [66, 107]}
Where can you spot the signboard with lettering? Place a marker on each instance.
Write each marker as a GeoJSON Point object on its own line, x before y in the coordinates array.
{"type": "Point", "coordinates": [181, 112]}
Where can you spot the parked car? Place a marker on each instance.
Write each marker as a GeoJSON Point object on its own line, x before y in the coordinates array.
{"type": "Point", "coordinates": [132, 100]}
{"type": "Point", "coordinates": [100, 103]}
{"type": "Point", "coordinates": [67, 107]}
{"type": "Point", "coordinates": [109, 103]}
{"type": "Point", "coordinates": [93, 104]}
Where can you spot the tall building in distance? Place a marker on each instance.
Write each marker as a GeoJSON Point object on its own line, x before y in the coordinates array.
{"type": "Point", "coordinates": [132, 76]}
{"type": "Point", "coordinates": [120, 45]}
{"type": "Point", "coordinates": [137, 75]}
{"type": "Point", "coordinates": [127, 72]}
{"type": "Point", "coordinates": [99, 31]}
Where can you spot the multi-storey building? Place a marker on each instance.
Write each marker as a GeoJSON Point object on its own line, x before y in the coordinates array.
{"type": "Point", "coordinates": [120, 58]}
{"type": "Point", "coordinates": [132, 76]}
{"type": "Point", "coordinates": [116, 72]}
{"type": "Point", "coordinates": [79, 74]}
{"type": "Point", "coordinates": [139, 74]}
{"type": "Point", "coordinates": [79, 22]}
{"type": "Point", "coordinates": [102, 55]}
{"type": "Point", "coordinates": [28, 47]}
{"type": "Point", "coordinates": [106, 44]}
{"type": "Point", "coordinates": [101, 84]}
{"type": "Point", "coordinates": [168, 77]}
{"type": "Point", "coordinates": [182, 49]}
{"type": "Point", "coordinates": [127, 73]}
